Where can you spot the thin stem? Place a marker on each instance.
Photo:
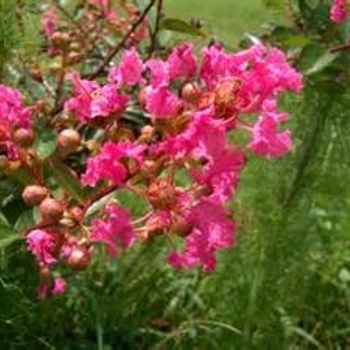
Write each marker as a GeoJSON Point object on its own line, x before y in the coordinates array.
{"type": "Point", "coordinates": [122, 42]}
{"type": "Point", "coordinates": [156, 28]}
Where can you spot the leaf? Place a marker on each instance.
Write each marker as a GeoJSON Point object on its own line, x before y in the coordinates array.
{"type": "Point", "coordinates": [26, 219]}
{"type": "Point", "coordinates": [45, 144]}
{"type": "Point", "coordinates": [7, 236]}
{"type": "Point", "coordinates": [322, 62]}
{"type": "Point", "coordinates": [3, 220]}
{"type": "Point", "coordinates": [7, 241]}
{"type": "Point", "coordinates": [101, 203]}
{"type": "Point", "coordinates": [180, 26]}
{"type": "Point", "coordinates": [68, 181]}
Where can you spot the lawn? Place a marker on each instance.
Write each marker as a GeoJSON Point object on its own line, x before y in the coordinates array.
{"type": "Point", "coordinates": [224, 19]}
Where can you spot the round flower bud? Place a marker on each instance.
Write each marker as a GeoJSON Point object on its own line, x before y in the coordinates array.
{"type": "Point", "coordinates": [4, 162]}
{"type": "Point", "coordinates": [79, 258]}
{"type": "Point", "coordinates": [190, 92]}
{"type": "Point", "coordinates": [68, 141]}
{"type": "Point", "coordinates": [161, 194]}
{"type": "Point", "coordinates": [60, 40]}
{"type": "Point", "coordinates": [34, 194]}
{"type": "Point", "coordinates": [51, 210]}
{"type": "Point", "coordinates": [24, 137]}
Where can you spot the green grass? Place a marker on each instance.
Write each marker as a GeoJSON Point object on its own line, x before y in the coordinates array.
{"type": "Point", "coordinates": [226, 20]}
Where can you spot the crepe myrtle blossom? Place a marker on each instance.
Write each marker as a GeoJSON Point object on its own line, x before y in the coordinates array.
{"type": "Point", "coordinates": [111, 163]}
{"type": "Point", "coordinates": [129, 70]}
{"type": "Point", "coordinates": [92, 100]}
{"type": "Point", "coordinates": [114, 231]}
{"type": "Point", "coordinates": [339, 11]}
{"type": "Point", "coordinates": [194, 107]}
{"type": "Point", "coordinates": [42, 244]}
{"type": "Point", "coordinates": [212, 230]}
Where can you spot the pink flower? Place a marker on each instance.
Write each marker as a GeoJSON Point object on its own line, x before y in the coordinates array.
{"type": "Point", "coordinates": [115, 230]}
{"type": "Point", "coordinates": [12, 111]}
{"type": "Point", "coordinates": [214, 65]}
{"type": "Point", "coordinates": [267, 141]}
{"type": "Point", "coordinates": [91, 100]}
{"type": "Point", "coordinates": [162, 103]}
{"type": "Point", "coordinates": [221, 174]}
{"type": "Point", "coordinates": [49, 22]}
{"type": "Point", "coordinates": [42, 244]}
{"type": "Point", "coordinates": [108, 165]}
{"type": "Point", "coordinates": [129, 71]}
{"type": "Point", "coordinates": [160, 72]}
{"type": "Point", "coordinates": [213, 230]}
{"type": "Point", "coordinates": [182, 62]}
{"type": "Point", "coordinates": [339, 11]}
{"type": "Point", "coordinates": [59, 286]}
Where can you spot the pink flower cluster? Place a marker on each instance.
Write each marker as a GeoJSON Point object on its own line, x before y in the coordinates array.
{"type": "Point", "coordinates": [192, 105]}
{"type": "Point", "coordinates": [339, 11]}
{"type": "Point", "coordinates": [13, 115]}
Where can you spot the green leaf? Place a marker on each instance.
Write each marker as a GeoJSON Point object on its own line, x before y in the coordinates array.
{"type": "Point", "coordinates": [45, 144]}
{"type": "Point", "coordinates": [7, 241]}
{"type": "Point", "coordinates": [26, 220]}
{"type": "Point", "coordinates": [7, 236]}
{"type": "Point", "coordinates": [322, 62]}
{"type": "Point", "coordinates": [180, 26]}
{"type": "Point", "coordinates": [101, 203]}
{"type": "Point", "coordinates": [68, 181]}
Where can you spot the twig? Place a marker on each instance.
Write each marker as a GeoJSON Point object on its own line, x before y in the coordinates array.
{"type": "Point", "coordinates": [341, 47]}
{"type": "Point", "coordinates": [156, 28]}
{"type": "Point", "coordinates": [122, 42]}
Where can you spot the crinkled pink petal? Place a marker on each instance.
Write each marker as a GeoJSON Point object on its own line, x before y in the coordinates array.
{"type": "Point", "coordinates": [339, 11]}
{"type": "Point", "coordinates": [42, 244]}
{"type": "Point", "coordinates": [159, 71]}
{"type": "Point", "coordinates": [129, 71]}
{"type": "Point", "coordinates": [107, 166]}
{"type": "Point", "coordinates": [115, 230]}
{"type": "Point", "coordinates": [266, 140]}
{"type": "Point", "coordinates": [59, 286]}
{"type": "Point", "coordinates": [162, 103]}
{"type": "Point", "coordinates": [182, 62]}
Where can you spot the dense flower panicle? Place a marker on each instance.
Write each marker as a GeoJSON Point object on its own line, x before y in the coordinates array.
{"type": "Point", "coordinates": [192, 105]}
{"type": "Point", "coordinates": [339, 11]}
{"type": "Point", "coordinates": [42, 244]}
{"type": "Point", "coordinates": [110, 165]}
{"type": "Point", "coordinates": [93, 101]}
{"type": "Point", "coordinates": [115, 230]}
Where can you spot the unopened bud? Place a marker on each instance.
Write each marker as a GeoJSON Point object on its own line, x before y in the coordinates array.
{"type": "Point", "coordinates": [190, 92]}
{"type": "Point", "coordinates": [4, 162]}
{"type": "Point", "coordinates": [60, 40]}
{"type": "Point", "coordinates": [147, 133]}
{"type": "Point", "coordinates": [79, 258]}
{"type": "Point", "coordinates": [76, 213]}
{"type": "Point", "coordinates": [24, 137]}
{"type": "Point", "coordinates": [36, 75]}
{"type": "Point", "coordinates": [68, 141]}
{"type": "Point", "coordinates": [34, 194]}
{"type": "Point", "coordinates": [161, 194]}
{"type": "Point", "coordinates": [51, 210]}
{"type": "Point", "coordinates": [75, 57]}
